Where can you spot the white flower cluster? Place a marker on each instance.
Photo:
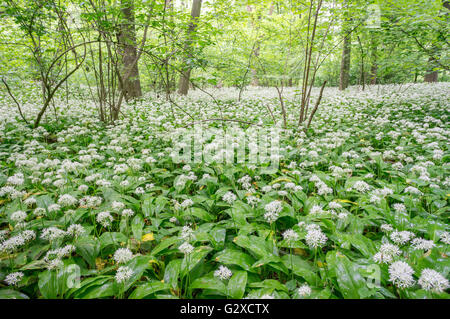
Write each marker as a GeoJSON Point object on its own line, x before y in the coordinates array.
{"type": "Point", "coordinates": [229, 197]}
{"type": "Point", "coordinates": [223, 273]}
{"type": "Point", "coordinates": [272, 211]}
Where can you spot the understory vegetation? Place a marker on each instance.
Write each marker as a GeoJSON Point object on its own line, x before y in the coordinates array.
{"type": "Point", "coordinates": [357, 209]}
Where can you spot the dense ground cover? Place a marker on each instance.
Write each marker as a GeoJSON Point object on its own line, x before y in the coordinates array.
{"type": "Point", "coordinates": [357, 209]}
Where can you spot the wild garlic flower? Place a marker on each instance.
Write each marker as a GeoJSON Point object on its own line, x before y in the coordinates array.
{"type": "Point", "coordinates": [75, 230]}
{"type": "Point", "coordinates": [52, 233]}
{"type": "Point", "coordinates": [187, 233]}
{"type": "Point", "coordinates": [18, 216]}
{"type": "Point", "coordinates": [433, 281]}
{"type": "Point", "coordinates": [14, 278]}
{"type": "Point", "coordinates": [223, 273]}
{"type": "Point", "coordinates": [304, 290]}
{"type": "Point", "coordinates": [401, 274]}
{"type": "Point", "coordinates": [315, 238]}
{"type": "Point", "coordinates": [123, 274]}
{"type": "Point", "coordinates": [290, 235]}
{"type": "Point", "coordinates": [401, 237]}
{"type": "Point", "coordinates": [186, 248]}
{"type": "Point", "coordinates": [67, 200]}
{"type": "Point", "coordinates": [127, 213]}
{"type": "Point", "coordinates": [187, 203]}
{"type": "Point", "coordinates": [122, 255]}
{"type": "Point", "coordinates": [105, 219]}
{"type": "Point", "coordinates": [229, 197]}
{"type": "Point", "coordinates": [445, 238]}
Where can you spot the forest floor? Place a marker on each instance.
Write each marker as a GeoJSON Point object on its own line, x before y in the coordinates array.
{"type": "Point", "coordinates": [356, 207]}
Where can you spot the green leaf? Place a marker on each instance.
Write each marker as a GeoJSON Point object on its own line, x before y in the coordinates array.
{"type": "Point", "coordinates": [269, 283]}
{"type": "Point", "coordinates": [88, 248]}
{"type": "Point", "coordinates": [235, 257]}
{"type": "Point", "coordinates": [209, 283]}
{"type": "Point", "coordinates": [12, 294]}
{"type": "Point", "coordinates": [164, 244]}
{"type": "Point", "coordinates": [193, 259]}
{"type": "Point", "coordinates": [237, 284]}
{"type": "Point", "coordinates": [351, 283]}
{"type": "Point", "coordinates": [149, 288]}
{"type": "Point", "coordinates": [172, 272]}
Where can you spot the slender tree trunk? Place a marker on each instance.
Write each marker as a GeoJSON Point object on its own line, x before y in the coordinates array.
{"type": "Point", "coordinates": [346, 51]}
{"type": "Point", "coordinates": [345, 64]}
{"type": "Point", "coordinates": [374, 65]}
{"type": "Point", "coordinates": [431, 76]}
{"type": "Point", "coordinates": [183, 86]}
{"type": "Point", "coordinates": [131, 87]}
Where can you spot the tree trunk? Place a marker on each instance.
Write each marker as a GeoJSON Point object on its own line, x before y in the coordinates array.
{"type": "Point", "coordinates": [183, 86]}
{"type": "Point", "coordinates": [345, 64]}
{"type": "Point", "coordinates": [131, 87]}
{"type": "Point", "coordinates": [346, 50]}
{"type": "Point", "coordinates": [431, 76]}
{"type": "Point", "coordinates": [374, 65]}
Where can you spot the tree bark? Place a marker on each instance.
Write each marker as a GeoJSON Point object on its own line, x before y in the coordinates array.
{"type": "Point", "coordinates": [183, 86]}
{"type": "Point", "coordinates": [374, 65]}
{"type": "Point", "coordinates": [345, 64]}
{"type": "Point", "coordinates": [131, 87]}
{"type": "Point", "coordinates": [346, 51]}
{"type": "Point", "coordinates": [431, 76]}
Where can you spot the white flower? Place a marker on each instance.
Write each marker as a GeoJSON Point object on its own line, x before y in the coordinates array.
{"type": "Point", "coordinates": [128, 213]}
{"type": "Point", "coordinates": [304, 290]}
{"type": "Point", "coordinates": [187, 233]}
{"type": "Point", "coordinates": [55, 264]}
{"type": "Point", "coordinates": [105, 219]}
{"type": "Point", "coordinates": [272, 211]}
{"type": "Point", "coordinates": [30, 201]}
{"type": "Point", "coordinates": [67, 200]}
{"type": "Point", "coordinates": [290, 235]}
{"type": "Point", "coordinates": [361, 186]}
{"type": "Point", "coordinates": [187, 203]}
{"type": "Point", "coordinates": [54, 208]}
{"type": "Point", "coordinates": [14, 278]}
{"type": "Point", "coordinates": [412, 190]}
{"type": "Point", "coordinates": [316, 210]}
{"type": "Point", "coordinates": [91, 201]}
{"type": "Point", "coordinates": [399, 208]}
{"type": "Point", "coordinates": [422, 244]}
{"type": "Point", "coordinates": [123, 274]}
{"type": "Point", "coordinates": [387, 253]}
{"type": "Point", "coordinates": [445, 238]}
{"type": "Point", "coordinates": [315, 238]}
{"type": "Point", "coordinates": [334, 205]}
{"type": "Point", "coordinates": [117, 206]}
{"type": "Point", "coordinates": [16, 179]}
{"type": "Point", "coordinates": [52, 233]}
{"type": "Point", "coordinates": [253, 200]}
{"type": "Point", "coordinates": [18, 216]}
{"type": "Point", "coordinates": [401, 274]}
{"type": "Point", "coordinates": [223, 273]}
{"type": "Point", "coordinates": [173, 220]}
{"type": "Point", "coordinates": [76, 230]}
{"type": "Point", "coordinates": [401, 237]}
{"type": "Point", "coordinates": [186, 248]}
{"type": "Point", "coordinates": [123, 255]}
{"type": "Point", "coordinates": [83, 188]}
{"type": "Point", "coordinates": [229, 197]}
{"type": "Point", "coordinates": [433, 281]}
{"type": "Point", "coordinates": [139, 191]}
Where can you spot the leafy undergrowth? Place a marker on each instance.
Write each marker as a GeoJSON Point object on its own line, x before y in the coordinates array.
{"type": "Point", "coordinates": [357, 209]}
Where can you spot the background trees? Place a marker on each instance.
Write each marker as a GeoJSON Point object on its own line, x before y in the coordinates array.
{"type": "Point", "coordinates": [122, 49]}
